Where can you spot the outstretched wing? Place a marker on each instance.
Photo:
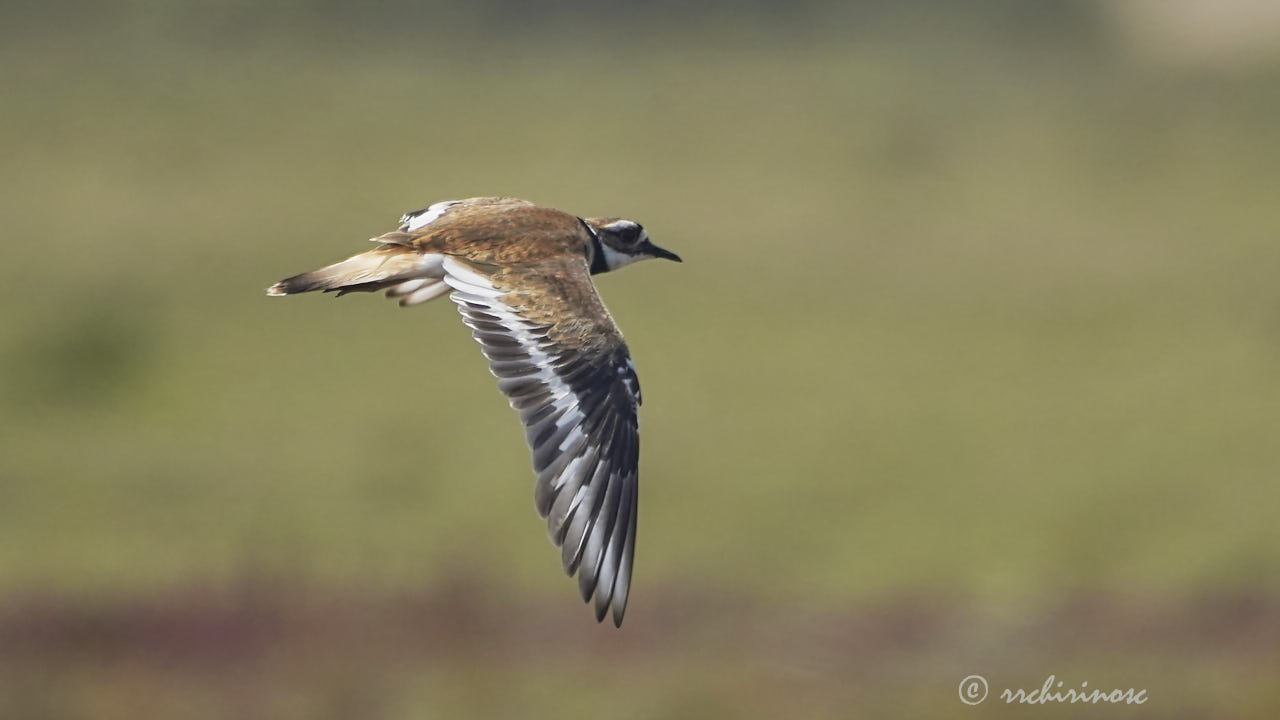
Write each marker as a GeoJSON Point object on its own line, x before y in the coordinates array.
{"type": "Point", "coordinates": [563, 364]}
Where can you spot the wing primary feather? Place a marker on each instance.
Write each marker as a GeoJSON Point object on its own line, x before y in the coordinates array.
{"type": "Point", "coordinates": [609, 566]}
{"type": "Point", "coordinates": [602, 518]}
{"type": "Point", "coordinates": [622, 586]}
{"type": "Point", "coordinates": [550, 482]}
{"type": "Point", "coordinates": [576, 529]}
{"type": "Point", "coordinates": [593, 550]}
{"type": "Point", "coordinates": [576, 514]}
{"type": "Point", "coordinates": [568, 506]}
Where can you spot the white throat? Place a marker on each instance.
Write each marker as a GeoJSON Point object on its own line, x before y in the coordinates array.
{"type": "Point", "coordinates": [614, 259]}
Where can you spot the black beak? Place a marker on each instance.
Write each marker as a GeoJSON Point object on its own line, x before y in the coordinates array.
{"type": "Point", "coordinates": [658, 252]}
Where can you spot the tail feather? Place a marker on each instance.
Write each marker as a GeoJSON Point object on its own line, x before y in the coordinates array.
{"type": "Point", "coordinates": [404, 271]}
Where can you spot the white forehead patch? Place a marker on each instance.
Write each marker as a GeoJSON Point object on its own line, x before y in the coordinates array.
{"type": "Point", "coordinates": [618, 225]}
{"type": "Point", "coordinates": [418, 219]}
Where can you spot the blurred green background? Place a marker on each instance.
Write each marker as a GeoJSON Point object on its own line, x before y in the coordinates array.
{"type": "Point", "coordinates": [973, 365]}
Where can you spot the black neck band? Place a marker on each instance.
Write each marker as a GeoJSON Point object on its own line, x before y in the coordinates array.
{"type": "Point", "coordinates": [598, 265]}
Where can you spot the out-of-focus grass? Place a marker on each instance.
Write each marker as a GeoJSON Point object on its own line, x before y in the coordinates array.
{"type": "Point", "coordinates": [273, 652]}
{"type": "Point", "coordinates": [982, 323]}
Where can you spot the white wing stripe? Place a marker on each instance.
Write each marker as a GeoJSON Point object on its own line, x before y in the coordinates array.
{"type": "Point", "coordinates": [424, 294]}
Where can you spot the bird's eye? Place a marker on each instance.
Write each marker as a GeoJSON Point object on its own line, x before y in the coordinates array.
{"type": "Point", "coordinates": [627, 231]}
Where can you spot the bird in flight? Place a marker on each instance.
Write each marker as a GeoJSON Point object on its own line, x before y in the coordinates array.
{"type": "Point", "coordinates": [520, 275]}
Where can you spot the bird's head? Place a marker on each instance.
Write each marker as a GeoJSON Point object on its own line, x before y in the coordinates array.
{"type": "Point", "coordinates": [620, 242]}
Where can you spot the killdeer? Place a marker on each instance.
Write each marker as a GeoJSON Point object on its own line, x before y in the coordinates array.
{"type": "Point", "coordinates": [520, 275]}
